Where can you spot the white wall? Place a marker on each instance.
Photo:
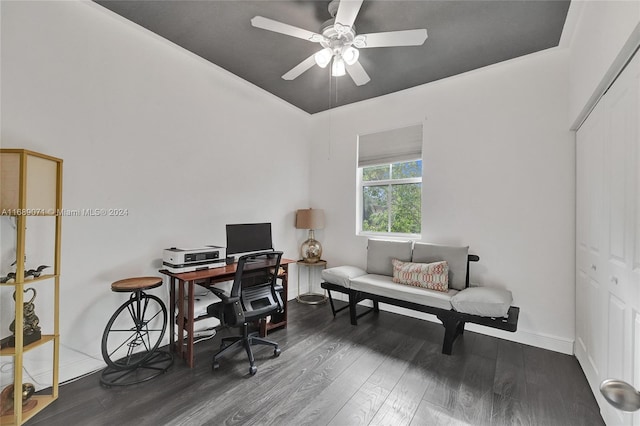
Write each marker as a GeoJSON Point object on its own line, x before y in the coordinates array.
{"type": "Point", "coordinates": [604, 36]}
{"type": "Point", "coordinates": [498, 176]}
{"type": "Point", "coordinates": [145, 126]}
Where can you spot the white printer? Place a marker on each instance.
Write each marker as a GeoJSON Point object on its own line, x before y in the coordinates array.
{"type": "Point", "coordinates": [178, 260]}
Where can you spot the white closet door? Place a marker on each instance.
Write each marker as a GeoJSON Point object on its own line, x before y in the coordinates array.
{"type": "Point", "coordinates": [608, 240]}
{"type": "Point", "coordinates": [631, 272]}
{"type": "Point", "coordinates": [635, 227]}
{"type": "Point", "coordinates": [590, 295]}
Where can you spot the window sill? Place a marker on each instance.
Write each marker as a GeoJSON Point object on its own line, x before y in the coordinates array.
{"type": "Point", "coordinates": [389, 235]}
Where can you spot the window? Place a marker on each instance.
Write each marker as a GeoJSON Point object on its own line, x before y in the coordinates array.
{"type": "Point", "coordinates": [390, 181]}
{"type": "Point", "coordinates": [392, 198]}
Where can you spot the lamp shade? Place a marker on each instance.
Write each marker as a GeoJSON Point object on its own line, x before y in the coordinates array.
{"type": "Point", "coordinates": [323, 57]}
{"type": "Point", "coordinates": [310, 219]}
{"type": "Point", "coordinates": [337, 68]}
{"type": "Point", "coordinates": [350, 55]}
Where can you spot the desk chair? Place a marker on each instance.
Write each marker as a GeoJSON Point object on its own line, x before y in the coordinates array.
{"type": "Point", "coordinates": [254, 296]}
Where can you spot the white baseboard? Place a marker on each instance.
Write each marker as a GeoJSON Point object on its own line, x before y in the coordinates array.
{"type": "Point", "coordinates": [73, 365]}
{"type": "Point", "coordinates": [80, 367]}
{"type": "Point", "coordinates": [540, 340]}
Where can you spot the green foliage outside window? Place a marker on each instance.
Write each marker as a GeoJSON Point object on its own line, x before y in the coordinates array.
{"type": "Point", "coordinates": [410, 169]}
{"type": "Point", "coordinates": [375, 173]}
{"type": "Point", "coordinates": [389, 206]}
{"type": "Point", "coordinates": [376, 211]}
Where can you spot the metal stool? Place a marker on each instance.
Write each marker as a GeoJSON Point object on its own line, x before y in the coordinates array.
{"type": "Point", "coordinates": [133, 335]}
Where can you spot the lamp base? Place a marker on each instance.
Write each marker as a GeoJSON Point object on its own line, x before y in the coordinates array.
{"type": "Point", "coordinates": [312, 298]}
{"type": "Point", "coordinates": [311, 250]}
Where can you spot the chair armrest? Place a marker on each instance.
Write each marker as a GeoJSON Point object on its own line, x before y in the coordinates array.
{"type": "Point", "coordinates": [276, 294]}
{"type": "Point", "coordinates": [227, 310]}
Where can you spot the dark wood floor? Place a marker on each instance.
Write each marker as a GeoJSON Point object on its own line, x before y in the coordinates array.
{"type": "Point", "coordinates": [387, 370]}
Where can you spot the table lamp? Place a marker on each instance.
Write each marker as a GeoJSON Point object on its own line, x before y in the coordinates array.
{"type": "Point", "coordinates": [310, 219]}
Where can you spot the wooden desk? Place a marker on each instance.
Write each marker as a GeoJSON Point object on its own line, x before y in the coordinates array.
{"type": "Point", "coordinates": [185, 320]}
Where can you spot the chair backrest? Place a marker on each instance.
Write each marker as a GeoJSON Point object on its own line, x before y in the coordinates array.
{"type": "Point", "coordinates": [255, 283]}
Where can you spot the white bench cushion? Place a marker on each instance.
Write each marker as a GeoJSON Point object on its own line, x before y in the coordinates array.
{"type": "Point", "coordinates": [383, 285]}
{"type": "Point", "coordinates": [483, 301]}
{"type": "Point", "coordinates": [341, 275]}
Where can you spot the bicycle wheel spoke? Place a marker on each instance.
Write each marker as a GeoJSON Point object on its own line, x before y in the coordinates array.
{"type": "Point", "coordinates": [117, 348]}
{"type": "Point", "coordinates": [148, 330]}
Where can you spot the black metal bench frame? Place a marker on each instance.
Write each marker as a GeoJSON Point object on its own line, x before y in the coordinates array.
{"type": "Point", "coordinates": [453, 321]}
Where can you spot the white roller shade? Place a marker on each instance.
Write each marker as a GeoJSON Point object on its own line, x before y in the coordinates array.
{"type": "Point", "coordinates": [391, 146]}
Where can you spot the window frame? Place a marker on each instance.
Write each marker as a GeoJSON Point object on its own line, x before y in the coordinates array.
{"type": "Point", "coordinates": [361, 184]}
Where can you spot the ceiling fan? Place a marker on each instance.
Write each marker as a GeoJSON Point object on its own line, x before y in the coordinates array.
{"type": "Point", "coordinates": [339, 41]}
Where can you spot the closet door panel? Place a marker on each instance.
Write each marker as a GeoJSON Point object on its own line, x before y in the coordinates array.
{"type": "Point", "coordinates": [633, 300]}
{"type": "Point", "coordinates": [594, 144]}
{"type": "Point", "coordinates": [582, 203]}
{"type": "Point", "coordinates": [617, 349]}
{"type": "Point", "coordinates": [634, 360]}
{"type": "Point", "coordinates": [595, 327]}
{"type": "Point", "coordinates": [617, 329]}
{"type": "Point", "coordinates": [582, 314]}
{"type": "Point", "coordinates": [634, 69]}
{"type": "Point", "coordinates": [622, 123]}
{"type": "Point", "coordinates": [590, 301]}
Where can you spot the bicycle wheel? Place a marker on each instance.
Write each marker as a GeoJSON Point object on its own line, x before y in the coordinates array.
{"type": "Point", "coordinates": [134, 332]}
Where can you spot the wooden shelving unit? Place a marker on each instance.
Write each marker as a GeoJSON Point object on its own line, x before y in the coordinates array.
{"type": "Point", "coordinates": [31, 186]}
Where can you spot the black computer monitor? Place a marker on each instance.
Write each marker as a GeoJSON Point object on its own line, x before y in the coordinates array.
{"type": "Point", "coordinates": [245, 238]}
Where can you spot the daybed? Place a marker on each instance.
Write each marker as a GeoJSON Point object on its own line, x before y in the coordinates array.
{"type": "Point", "coordinates": [422, 277]}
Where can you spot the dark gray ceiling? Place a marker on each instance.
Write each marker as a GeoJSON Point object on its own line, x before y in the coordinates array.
{"type": "Point", "coordinates": [463, 35]}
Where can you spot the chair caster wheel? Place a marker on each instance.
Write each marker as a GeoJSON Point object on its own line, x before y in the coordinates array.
{"type": "Point", "coordinates": [215, 365]}
{"type": "Point", "coordinates": [276, 352]}
{"type": "Point", "coordinates": [253, 370]}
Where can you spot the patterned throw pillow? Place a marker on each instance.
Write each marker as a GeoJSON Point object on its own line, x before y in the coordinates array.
{"type": "Point", "coordinates": [434, 276]}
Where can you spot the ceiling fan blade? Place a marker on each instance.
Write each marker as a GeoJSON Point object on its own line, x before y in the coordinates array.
{"type": "Point", "coordinates": [347, 12]}
{"type": "Point", "coordinates": [358, 74]}
{"type": "Point", "coordinates": [392, 38]}
{"type": "Point", "coordinates": [300, 68]}
{"type": "Point", "coordinates": [286, 29]}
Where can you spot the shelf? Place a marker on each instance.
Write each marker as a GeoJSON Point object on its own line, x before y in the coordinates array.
{"type": "Point", "coordinates": [43, 402]}
{"type": "Point", "coordinates": [31, 186]}
{"type": "Point", "coordinates": [44, 339]}
{"type": "Point", "coordinates": [35, 280]}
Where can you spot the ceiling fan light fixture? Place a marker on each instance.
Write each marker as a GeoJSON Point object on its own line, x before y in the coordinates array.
{"type": "Point", "coordinates": [338, 68]}
{"type": "Point", "coordinates": [340, 41]}
{"type": "Point", "coordinates": [323, 57]}
{"type": "Point", "coordinates": [350, 55]}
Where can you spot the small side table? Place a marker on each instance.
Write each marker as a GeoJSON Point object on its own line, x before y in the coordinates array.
{"type": "Point", "coordinates": [311, 298]}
